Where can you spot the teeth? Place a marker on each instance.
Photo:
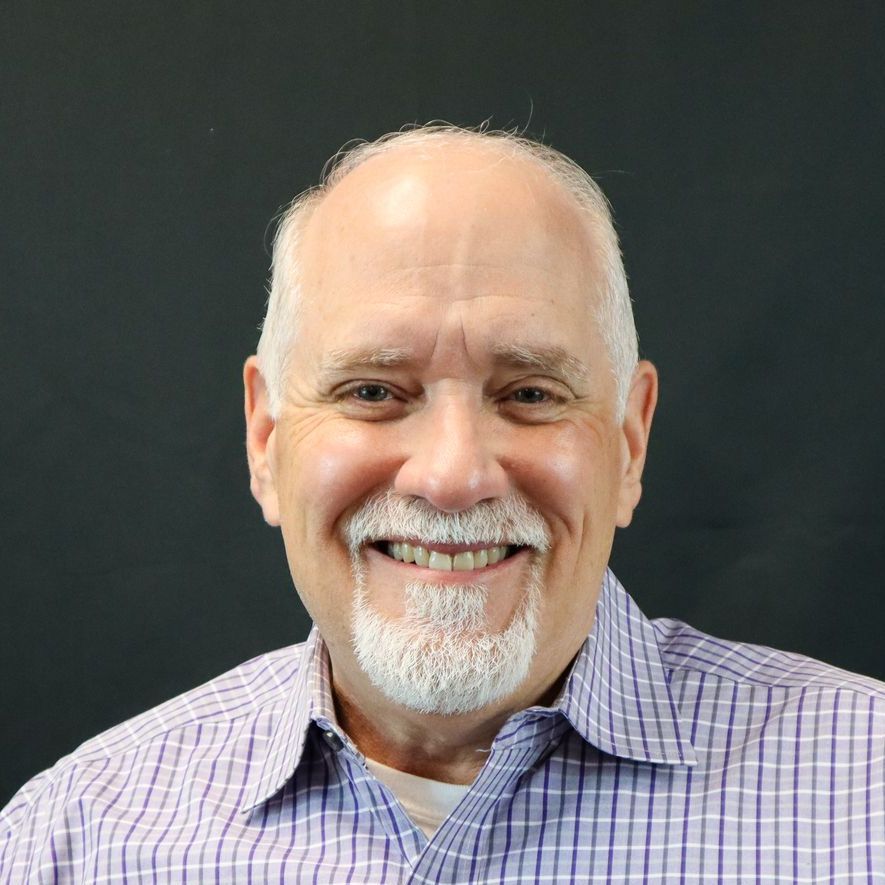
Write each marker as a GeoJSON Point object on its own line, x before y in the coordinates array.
{"type": "Point", "coordinates": [463, 562]}
{"type": "Point", "coordinates": [422, 557]}
{"type": "Point", "coordinates": [440, 561]}
{"type": "Point", "coordinates": [468, 561]}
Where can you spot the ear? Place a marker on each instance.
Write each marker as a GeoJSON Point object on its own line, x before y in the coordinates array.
{"type": "Point", "coordinates": [635, 431]}
{"type": "Point", "coordinates": [260, 442]}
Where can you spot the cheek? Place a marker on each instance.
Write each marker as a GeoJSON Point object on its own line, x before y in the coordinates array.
{"type": "Point", "coordinates": [568, 470]}
{"type": "Point", "coordinates": [331, 473]}
{"type": "Point", "coordinates": [328, 473]}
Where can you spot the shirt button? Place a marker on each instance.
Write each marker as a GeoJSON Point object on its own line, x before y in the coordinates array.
{"type": "Point", "coordinates": [333, 740]}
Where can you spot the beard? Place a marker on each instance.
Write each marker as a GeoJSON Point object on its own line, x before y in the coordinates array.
{"type": "Point", "coordinates": [442, 657]}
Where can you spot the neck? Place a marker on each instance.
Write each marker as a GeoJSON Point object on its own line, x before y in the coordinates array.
{"type": "Point", "coordinates": [451, 749]}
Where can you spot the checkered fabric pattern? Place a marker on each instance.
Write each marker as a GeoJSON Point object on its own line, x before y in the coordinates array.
{"type": "Point", "coordinates": [669, 756]}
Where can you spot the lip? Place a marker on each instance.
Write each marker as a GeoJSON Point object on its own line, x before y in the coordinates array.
{"type": "Point", "coordinates": [451, 549]}
{"type": "Point", "coordinates": [410, 572]}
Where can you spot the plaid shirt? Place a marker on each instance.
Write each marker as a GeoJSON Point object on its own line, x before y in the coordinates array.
{"type": "Point", "coordinates": [670, 756]}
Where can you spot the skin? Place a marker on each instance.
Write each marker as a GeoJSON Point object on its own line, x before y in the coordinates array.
{"type": "Point", "coordinates": [447, 252]}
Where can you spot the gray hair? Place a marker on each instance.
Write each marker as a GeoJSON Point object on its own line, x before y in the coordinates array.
{"type": "Point", "coordinates": [614, 312]}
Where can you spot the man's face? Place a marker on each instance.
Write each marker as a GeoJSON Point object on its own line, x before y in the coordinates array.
{"type": "Point", "coordinates": [447, 355]}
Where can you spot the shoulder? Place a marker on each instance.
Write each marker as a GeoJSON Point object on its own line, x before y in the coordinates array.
{"type": "Point", "coordinates": [777, 719]}
{"type": "Point", "coordinates": [237, 695]}
{"type": "Point", "coordinates": [756, 671]}
{"type": "Point", "coordinates": [685, 648]}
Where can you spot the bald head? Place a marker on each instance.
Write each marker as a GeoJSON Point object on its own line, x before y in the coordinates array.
{"type": "Point", "coordinates": [449, 205]}
{"type": "Point", "coordinates": [445, 198]}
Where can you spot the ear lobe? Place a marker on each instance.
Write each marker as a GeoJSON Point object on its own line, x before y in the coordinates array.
{"type": "Point", "coordinates": [635, 431]}
{"type": "Point", "coordinates": [260, 442]}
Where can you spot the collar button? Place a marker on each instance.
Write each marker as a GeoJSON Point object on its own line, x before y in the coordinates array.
{"type": "Point", "coordinates": [333, 740]}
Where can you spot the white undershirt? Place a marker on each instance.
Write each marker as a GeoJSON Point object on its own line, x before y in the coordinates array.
{"type": "Point", "coordinates": [428, 803]}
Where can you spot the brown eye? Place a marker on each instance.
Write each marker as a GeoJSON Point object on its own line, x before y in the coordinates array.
{"type": "Point", "coordinates": [530, 395]}
{"type": "Point", "coordinates": [372, 393]}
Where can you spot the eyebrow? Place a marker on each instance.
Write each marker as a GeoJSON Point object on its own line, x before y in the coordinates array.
{"type": "Point", "coordinates": [345, 359]}
{"type": "Point", "coordinates": [550, 359]}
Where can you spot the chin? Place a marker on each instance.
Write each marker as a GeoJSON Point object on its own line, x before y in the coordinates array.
{"type": "Point", "coordinates": [442, 656]}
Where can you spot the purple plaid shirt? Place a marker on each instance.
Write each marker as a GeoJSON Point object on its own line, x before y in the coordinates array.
{"type": "Point", "coordinates": [670, 756]}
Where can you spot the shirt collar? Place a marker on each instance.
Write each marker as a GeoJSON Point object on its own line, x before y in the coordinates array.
{"type": "Point", "coordinates": [309, 699]}
{"type": "Point", "coordinates": [617, 697]}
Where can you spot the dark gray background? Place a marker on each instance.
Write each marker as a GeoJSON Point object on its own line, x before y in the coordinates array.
{"type": "Point", "coordinates": [146, 148]}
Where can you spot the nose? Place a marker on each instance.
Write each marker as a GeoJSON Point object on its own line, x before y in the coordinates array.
{"type": "Point", "coordinates": [450, 460]}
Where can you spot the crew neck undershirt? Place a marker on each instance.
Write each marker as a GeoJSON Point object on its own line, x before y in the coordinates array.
{"type": "Point", "coordinates": [427, 802]}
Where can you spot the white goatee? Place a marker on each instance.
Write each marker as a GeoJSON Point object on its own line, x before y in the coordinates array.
{"type": "Point", "coordinates": [442, 657]}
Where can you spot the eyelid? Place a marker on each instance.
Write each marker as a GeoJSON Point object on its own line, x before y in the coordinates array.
{"type": "Point", "coordinates": [557, 391]}
{"type": "Point", "coordinates": [351, 386]}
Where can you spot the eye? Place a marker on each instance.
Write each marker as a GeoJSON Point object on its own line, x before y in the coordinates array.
{"type": "Point", "coordinates": [531, 395]}
{"type": "Point", "coordinates": [372, 393]}
{"type": "Point", "coordinates": [533, 403]}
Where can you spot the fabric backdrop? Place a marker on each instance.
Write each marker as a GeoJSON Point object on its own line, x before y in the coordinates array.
{"type": "Point", "coordinates": [148, 146]}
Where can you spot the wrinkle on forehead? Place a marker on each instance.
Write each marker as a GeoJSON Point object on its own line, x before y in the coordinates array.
{"type": "Point", "coordinates": [451, 335]}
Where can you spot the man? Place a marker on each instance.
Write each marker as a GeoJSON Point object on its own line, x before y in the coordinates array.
{"type": "Point", "coordinates": [447, 419]}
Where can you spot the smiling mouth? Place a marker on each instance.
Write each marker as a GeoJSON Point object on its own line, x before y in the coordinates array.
{"type": "Point", "coordinates": [461, 560]}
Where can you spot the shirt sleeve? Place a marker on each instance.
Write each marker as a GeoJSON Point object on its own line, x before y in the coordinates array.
{"type": "Point", "coordinates": [39, 830]}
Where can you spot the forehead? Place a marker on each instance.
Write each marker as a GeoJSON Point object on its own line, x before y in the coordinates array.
{"type": "Point", "coordinates": [447, 203]}
{"type": "Point", "coordinates": [413, 242]}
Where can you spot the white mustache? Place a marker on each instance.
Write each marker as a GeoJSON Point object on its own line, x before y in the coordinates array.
{"type": "Point", "coordinates": [510, 521]}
